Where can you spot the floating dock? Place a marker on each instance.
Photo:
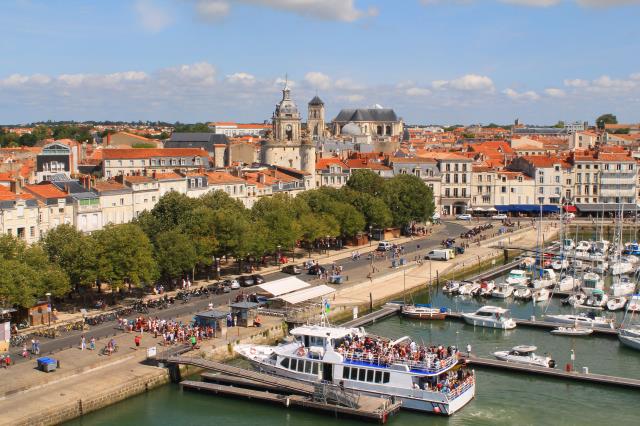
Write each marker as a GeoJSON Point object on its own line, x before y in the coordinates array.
{"type": "Point", "coordinates": [555, 373]}
{"type": "Point", "coordinates": [246, 384]}
{"type": "Point", "coordinates": [386, 311]}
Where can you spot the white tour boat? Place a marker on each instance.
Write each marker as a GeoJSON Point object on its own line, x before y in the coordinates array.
{"type": "Point", "coordinates": [424, 378]}
{"type": "Point", "coordinates": [517, 277]}
{"type": "Point", "coordinates": [582, 320]}
{"type": "Point", "coordinates": [490, 316]}
{"type": "Point", "coordinates": [525, 354]}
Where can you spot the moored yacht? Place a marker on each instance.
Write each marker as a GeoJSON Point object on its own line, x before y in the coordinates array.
{"type": "Point", "coordinates": [591, 281]}
{"type": "Point", "coordinates": [525, 354]}
{"type": "Point", "coordinates": [490, 316]}
{"type": "Point", "coordinates": [582, 320]}
{"type": "Point", "coordinates": [547, 279]}
{"type": "Point", "coordinates": [424, 378]}
{"type": "Point", "coordinates": [630, 336]}
{"type": "Point", "coordinates": [568, 283]}
{"type": "Point", "coordinates": [540, 295]}
{"type": "Point", "coordinates": [622, 286]}
{"type": "Point", "coordinates": [425, 312]}
{"type": "Point", "coordinates": [517, 277]}
{"type": "Point", "coordinates": [502, 291]}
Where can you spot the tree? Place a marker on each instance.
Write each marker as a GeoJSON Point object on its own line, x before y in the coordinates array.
{"type": "Point", "coordinates": [278, 213]}
{"type": "Point", "coordinates": [314, 226]}
{"type": "Point", "coordinates": [366, 181]}
{"type": "Point", "coordinates": [175, 254]}
{"type": "Point", "coordinates": [606, 119]}
{"type": "Point", "coordinates": [374, 209]}
{"type": "Point", "coordinates": [74, 252]}
{"type": "Point", "coordinates": [221, 200]}
{"type": "Point", "coordinates": [125, 254]}
{"type": "Point", "coordinates": [409, 199]}
{"type": "Point", "coordinates": [559, 125]}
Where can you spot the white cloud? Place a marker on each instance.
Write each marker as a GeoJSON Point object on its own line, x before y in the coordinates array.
{"type": "Point", "coordinates": [348, 84]}
{"type": "Point", "coordinates": [152, 17]}
{"type": "Point", "coordinates": [17, 80]}
{"type": "Point", "coordinates": [555, 93]}
{"type": "Point", "coordinates": [469, 82]}
{"type": "Point", "coordinates": [534, 3]}
{"type": "Point", "coordinates": [198, 73]}
{"type": "Point", "coordinates": [544, 3]}
{"type": "Point", "coordinates": [243, 78]}
{"type": "Point", "coordinates": [351, 98]}
{"type": "Point", "coordinates": [529, 95]}
{"type": "Point", "coordinates": [318, 80]}
{"type": "Point", "coordinates": [577, 82]}
{"type": "Point", "coordinates": [330, 10]}
{"type": "Point", "coordinates": [417, 91]}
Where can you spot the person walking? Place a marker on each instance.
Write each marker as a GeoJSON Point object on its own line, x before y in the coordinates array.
{"type": "Point", "coordinates": [137, 341]}
{"type": "Point", "coordinates": [92, 344]}
{"type": "Point", "coordinates": [83, 343]}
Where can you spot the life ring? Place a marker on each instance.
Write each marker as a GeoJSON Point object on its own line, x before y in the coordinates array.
{"type": "Point", "coordinates": [252, 351]}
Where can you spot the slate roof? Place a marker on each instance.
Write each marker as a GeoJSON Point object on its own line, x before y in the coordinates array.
{"type": "Point", "coordinates": [196, 140]}
{"type": "Point", "coordinates": [316, 101]}
{"type": "Point", "coordinates": [366, 114]}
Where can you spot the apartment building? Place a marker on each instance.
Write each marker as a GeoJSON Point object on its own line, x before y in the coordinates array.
{"type": "Point", "coordinates": [116, 202]}
{"type": "Point", "coordinates": [552, 178]}
{"type": "Point", "coordinates": [19, 215]}
{"type": "Point", "coordinates": [144, 161]}
{"type": "Point", "coordinates": [332, 172]}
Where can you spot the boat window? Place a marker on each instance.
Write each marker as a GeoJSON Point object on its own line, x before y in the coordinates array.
{"type": "Point", "coordinates": [354, 374]}
{"type": "Point", "coordinates": [369, 375]}
{"type": "Point", "coordinates": [484, 314]}
{"type": "Point", "coordinates": [293, 363]}
{"type": "Point", "coordinates": [345, 372]}
{"type": "Point", "coordinates": [285, 363]}
{"type": "Point", "coordinates": [307, 367]}
{"type": "Point", "coordinates": [300, 365]}
{"type": "Point", "coordinates": [315, 368]}
{"type": "Point", "coordinates": [378, 378]}
{"type": "Point", "coordinates": [385, 377]}
{"type": "Point", "coordinates": [362, 374]}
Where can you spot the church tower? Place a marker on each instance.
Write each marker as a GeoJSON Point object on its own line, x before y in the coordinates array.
{"type": "Point", "coordinates": [315, 119]}
{"type": "Point", "coordinates": [286, 119]}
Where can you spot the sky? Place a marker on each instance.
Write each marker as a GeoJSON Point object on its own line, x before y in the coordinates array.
{"type": "Point", "coordinates": [433, 61]}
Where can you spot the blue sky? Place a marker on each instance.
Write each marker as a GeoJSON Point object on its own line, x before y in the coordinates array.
{"type": "Point", "coordinates": [434, 61]}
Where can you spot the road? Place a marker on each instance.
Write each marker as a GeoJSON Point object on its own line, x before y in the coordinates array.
{"type": "Point", "coordinates": [356, 270]}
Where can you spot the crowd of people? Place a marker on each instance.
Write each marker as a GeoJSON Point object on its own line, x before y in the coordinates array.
{"type": "Point", "coordinates": [171, 331]}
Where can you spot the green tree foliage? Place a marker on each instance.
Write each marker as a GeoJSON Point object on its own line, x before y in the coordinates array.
{"type": "Point", "coordinates": [621, 131]}
{"type": "Point", "coordinates": [374, 209]}
{"type": "Point", "coordinates": [125, 254]}
{"type": "Point", "coordinates": [175, 254]}
{"type": "Point", "coordinates": [366, 181]}
{"type": "Point", "coordinates": [70, 131]}
{"type": "Point", "coordinates": [26, 274]}
{"type": "Point", "coordinates": [559, 125]}
{"type": "Point", "coordinates": [279, 214]}
{"type": "Point", "coordinates": [606, 119]}
{"type": "Point", "coordinates": [74, 252]}
{"type": "Point", "coordinates": [191, 128]}
{"type": "Point", "coordinates": [409, 199]}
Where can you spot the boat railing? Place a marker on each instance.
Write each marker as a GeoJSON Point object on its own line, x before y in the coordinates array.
{"type": "Point", "coordinates": [432, 366]}
{"type": "Point", "coordinates": [454, 393]}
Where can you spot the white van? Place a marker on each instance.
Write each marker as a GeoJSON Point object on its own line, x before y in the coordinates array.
{"type": "Point", "coordinates": [384, 246]}
{"type": "Point", "coordinates": [443, 254]}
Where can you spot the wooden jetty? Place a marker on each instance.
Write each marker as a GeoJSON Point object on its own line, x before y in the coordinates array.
{"type": "Point", "coordinates": [386, 311]}
{"type": "Point", "coordinates": [242, 383]}
{"type": "Point", "coordinates": [554, 373]}
{"type": "Point", "coordinates": [548, 325]}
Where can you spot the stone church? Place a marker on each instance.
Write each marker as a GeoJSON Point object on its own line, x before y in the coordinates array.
{"type": "Point", "coordinates": [287, 146]}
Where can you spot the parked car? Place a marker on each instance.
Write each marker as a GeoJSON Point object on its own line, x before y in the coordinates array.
{"type": "Point", "coordinates": [499, 216]}
{"type": "Point", "coordinates": [292, 269]}
{"type": "Point", "coordinates": [315, 269]}
{"type": "Point", "coordinates": [234, 284]}
{"type": "Point", "coordinates": [247, 281]}
{"type": "Point", "coordinates": [569, 215]}
{"type": "Point", "coordinates": [384, 246]}
{"type": "Point", "coordinates": [259, 279]}
{"type": "Point", "coordinates": [464, 216]}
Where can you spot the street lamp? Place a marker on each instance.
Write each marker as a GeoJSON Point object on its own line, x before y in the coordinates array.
{"type": "Point", "coordinates": [370, 234]}
{"type": "Point", "coordinates": [218, 268]}
{"type": "Point", "coordinates": [49, 307]}
{"type": "Point", "coordinates": [278, 254]}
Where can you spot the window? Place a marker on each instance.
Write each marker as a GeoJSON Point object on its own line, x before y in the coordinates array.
{"type": "Point", "coordinates": [447, 192]}
{"type": "Point", "coordinates": [122, 201]}
{"type": "Point", "coordinates": [557, 168]}
{"type": "Point", "coordinates": [464, 167]}
{"type": "Point", "coordinates": [32, 231]}
{"type": "Point", "coordinates": [378, 377]}
{"type": "Point", "coordinates": [541, 179]}
{"type": "Point", "coordinates": [294, 363]}
{"type": "Point", "coordinates": [464, 178]}
{"type": "Point", "coordinates": [345, 372]}
{"type": "Point", "coordinates": [307, 367]}
{"type": "Point", "coordinates": [618, 166]}
{"type": "Point", "coordinates": [361, 374]}
{"type": "Point", "coordinates": [503, 189]}
{"type": "Point", "coordinates": [479, 178]}
{"type": "Point", "coordinates": [557, 179]}
{"type": "Point", "coordinates": [385, 377]}
{"type": "Point", "coordinates": [354, 374]}
{"type": "Point", "coordinates": [488, 178]}
{"type": "Point", "coordinates": [479, 189]}
{"type": "Point", "coordinates": [455, 192]}
{"type": "Point", "coordinates": [300, 365]}
{"type": "Point", "coordinates": [464, 192]}
{"type": "Point", "coordinates": [315, 368]}
{"type": "Point", "coordinates": [285, 363]}
{"type": "Point", "coordinates": [369, 375]}
{"type": "Point", "coordinates": [455, 178]}
{"type": "Point", "coordinates": [541, 190]}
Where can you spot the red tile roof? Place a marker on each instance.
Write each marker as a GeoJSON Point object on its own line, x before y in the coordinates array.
{"type": "Point", "coordinates": [45, 190]}
{"type": "Point", "coordinates": [137, 153]}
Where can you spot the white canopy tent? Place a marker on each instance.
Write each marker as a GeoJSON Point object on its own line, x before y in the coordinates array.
{"type": "Point", "coordinates": [306, 295]}
{"type": "Point", "coordinates": [282, 286]}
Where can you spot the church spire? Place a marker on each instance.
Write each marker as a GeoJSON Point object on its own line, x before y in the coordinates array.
{"type": "Point", "coordinates": [286, 92]}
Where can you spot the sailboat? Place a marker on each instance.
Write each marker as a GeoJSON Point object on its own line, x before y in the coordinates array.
{"type": "Point", "coordinates": [422, 311]}
{"type": "Point", "coordinates": [629, 334]}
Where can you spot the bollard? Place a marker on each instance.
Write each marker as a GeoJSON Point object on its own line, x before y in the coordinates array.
{"type": "Point", "coordinates": [58, 364]}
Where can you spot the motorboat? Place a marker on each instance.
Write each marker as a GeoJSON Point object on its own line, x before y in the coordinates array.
{"type": "Point", "coordinates": [582, 254]}
{"type": "Point", "coordinates": [616, 303]}
{"type": "Point", "coordinates": [582, 320]}
{"type": "Point", "coordinates": [600, 267]}
{"type": "Point", "coordinates": [577, 299]}
{"type": "Point", "coordinates": [632, 249]}
{"type": "Point", "coordinates": [634, 303]}
{"type": "Point", "coordinates": [568, 283]}
{"type": "Point", "coordinates": [467, 288]}
{"type": "Point", "coordinates": [486, 288]}
{"type": "Point", "coordinates": [355, 361]}
{"type": "Point", "coordinates": [548, 278]}
{"type": "Point", "coordinates": [559, 263]}
{"type": "Point", "coordinates": [621, 267]}
{"type": "Point", "coordinates": [601, 246]}
{"type": "Point", "coordinates": [423, 312]}
{"type": "Point", "coordinates": [451, 287]}
{"type": "Point", "coordinates": [522, 293]}
{"type": "Point", "coordinates": [630, 336]}
{"type": "Point", "coordinates": [568, 244]}
{"type": "Point", "coordinates": [540, 295]}
{"type": "Point", "coordinates": [527, 262]}
{"type": "Point", "coordinates": [571, 331]}
{"type": "Point", "coordinates": [631, 259]}
{"type": "Point", "coordinates": [597, 299]}
{"type": "Point", "coordinates": [517, 277]}
{"type": "Point", "coordinates": [591, 281]}
{"type": "Point", "coordinates": [583, 246]}
{"type": "Point", "coordinates": [622, 286]}
{"type": "Point", "coordinates": [490, 316]}
{"type": "Point", "coordinates": [502, 291]}
{"type": "Point", "coordinates": [525, 354]}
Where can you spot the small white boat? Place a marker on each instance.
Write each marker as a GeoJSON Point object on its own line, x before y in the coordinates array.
{"type": "Point", "coordinates": [466, 288]}
{"type": "Point", "coordinates": [568, 244]}
{"type": "Point", "coordinates": [568, 283]}
{"type": "Point", "coordinates": [582, 320]}
{"type": "Point", "coordinates": [616, 303]}
{"type": "Point", "coordinates": [522, 293]}
{"type": "Point", "coordinates": [630, 336]}
{"type": "Point", "coordinates": [597, 299]}
{"type": "Point", "coordinates": [559, 263]}
{"type": "Point", "coordinates": [621, 267]}
{"type": "Point", "coordinates": [425, 312]}
{"type": "Point", "coordinates": [517, 277]}
{"type": "Point", "coordinates": [571, 331]}
{"type": "Point", "coordinates": [634, 303]}
{"type": "Point", "coordinates": [525, 354]}
{"type": "Point", "coordinates": [622, 286]}
{"type": "Point", "coordinates": [540, 295]}
{"type": "Point", "coordinates": [547, 279]}
{"type": "Point", "coordinates": [486, 288]}
{"type": "Point", "coordinates": [591, 281]}
{"type": "Point", "coordinates": [577, 299]}
{"type": "Point", "coordinates": [490, 316]}
{"type": "Point", "coordinates": [451, 287]}
{"type": "Point", "coordinates": [583, 246]}
{"type": "Point", "coordinates": [502, 291]}
{"type": "Point", "coordinates": [601, 267]}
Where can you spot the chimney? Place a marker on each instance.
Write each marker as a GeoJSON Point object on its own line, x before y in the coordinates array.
{"type": "Point", "coordinates": [15, 186]}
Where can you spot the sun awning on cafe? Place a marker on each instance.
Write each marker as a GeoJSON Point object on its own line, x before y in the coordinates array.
{"type": "Point", "coordinates": [306, 295]}
{"type": "Point", "coordinates": [282, 286]}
